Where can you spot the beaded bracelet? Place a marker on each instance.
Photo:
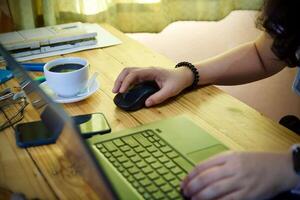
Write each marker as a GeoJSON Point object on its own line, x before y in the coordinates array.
{"type": "Point", "coordinates": [193, 69]}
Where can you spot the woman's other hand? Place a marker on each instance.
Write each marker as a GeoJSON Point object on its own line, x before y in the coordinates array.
{"type": "Point", "coordinates": [170, 81]}
{"type": "Point", "coordinates": [241, 175]}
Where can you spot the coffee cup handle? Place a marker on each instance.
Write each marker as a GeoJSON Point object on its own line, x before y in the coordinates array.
{"type": "Point", "coordinates": [89, 84]}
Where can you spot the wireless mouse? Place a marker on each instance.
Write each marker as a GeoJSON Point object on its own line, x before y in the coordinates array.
{"type": "Point", "coordinates": [136, 96]}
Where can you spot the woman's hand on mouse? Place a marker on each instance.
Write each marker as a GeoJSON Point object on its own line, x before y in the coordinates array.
{"type": "Point", "coordinates": [241, 175]}
{"type": "Point", "coordinates": [170, 81]}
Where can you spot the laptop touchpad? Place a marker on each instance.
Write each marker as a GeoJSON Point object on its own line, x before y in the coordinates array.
{"type": "Point", "coordinates": [202, 154]}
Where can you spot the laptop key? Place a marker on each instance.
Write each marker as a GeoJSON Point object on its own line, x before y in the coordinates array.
{"type": "Point", "coordinates": [172, 154]}
{"type": "Point", "coordinates": [151, 188]}
{"type": "Point", "coordinates": [181, 176]}
{"type": "Point", "coordinates": [118, 142]}
{"type": "Point", "coordinates": [166, 149]}
{"type": "Point", "coordinates": [130, 141]}
{"type": "Point", "coordinates": [107, 154]}
{"type": "Point", "coordinates": [146, 195]}
{"type": "Point", "coordinates": [126, 174]}
{"type": "Point", "coordinates": [160, 181]}
{"type": "Point", "coordinates": [139, 176]}
{"type": "Point", "coordinates": [103, 150]}
{"type": "Point", "coordinates": [116, 164]}
{"type": "Point", "coordinates": [128, 164]}
{"type": "Point", "coordinates": [158, 195]}
{"type": "Point", "coordinates": [122, 159]}
{"type": "Point", "coordinates": [147, 170]}
{"type": "Point", "coordinates": [130, 179]}
{"type": "Point", "coordinates": [173, 194]}
{"type": "Point", "coordinates": [154, 175]}
{"type": "Point", "coordinates": [101, 147]}
{"type": "Point", "coordinates": [156, 138]}
{"type": "Point", "coordinates": [135, 159]}
{"type": "Point", "coordinates": [139, 149]}
{"type": "Point", "coordinates": [156, 165]}
{"type": "Point", "coordinates": [112, 159]}
{"type": "Point", "coordinates": [135, 184]}
{"type": "Point", "coordinates": [151, 139]}
{"type": "Point", "coordinates": [141, 164]}
{"type": "Point", "coordinates": [157, 144]}
{"type": "Point", "coordinates": [162, 144]}
{"type": "Point", "coordinates": [162, 171]}
{"type": "Point", "coordinates": [176, 170]}
{"type": "Point", "coordinates": [175, 183]}
{"type": "Point", "coordinates": [145, 182]}
{"type": "Point", "coordinates": [166, 188]}
{"type": "Point", "coordinates": [157, 154]}
{"type": "Point", "coordinates": [111, 147]}
{"type": "Point", "coordinates": [130, 153]}
{"type": "Point", "coordinates": [152, 149]}
{"type": "Point", "coordinates": [125, 148]}
{"type": "Point", "coordinates": [117, 154]}
{"type": "Point", "coordinates": [121, 169]}
{"type": "Point", "coordinates": [163, 159]}
{"type": "Point", "coordinates": [145, 134]}
{"type": "Point", "coordinates": [145, 154]}
{"type": "Point", "coordinates": [183, 164]}
{"type": "Point", "coordinates": [141, 190]}
{"type": "Point", "coordinates": [169, 177]}
{"type": "Point", "coordinates": [169, 164]}
{"type": "Point", "coordinates": [133, 170]}
{"type": "Point", "coordinates": [142, 140]}
{"type": "Point", "coordinates": [150, 132]}
{"type": "Point", "coordinates": [150, 160]}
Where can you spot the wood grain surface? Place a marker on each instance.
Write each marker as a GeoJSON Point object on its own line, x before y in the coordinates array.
{"type": "Point", "coordinates": [45, 173]}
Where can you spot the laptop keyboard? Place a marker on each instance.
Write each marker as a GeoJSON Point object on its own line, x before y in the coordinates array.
{"type": "Point", "coordinates": [148, 163]}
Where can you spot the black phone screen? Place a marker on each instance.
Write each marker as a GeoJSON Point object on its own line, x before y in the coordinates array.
{"type": "Point", "coordinates": [91, 124]}
{"type": "Point", "coordinates": [33, 131]}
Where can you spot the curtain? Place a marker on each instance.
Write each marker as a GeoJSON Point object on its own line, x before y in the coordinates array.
{"type": "Point", "coordinates": [126, 15]}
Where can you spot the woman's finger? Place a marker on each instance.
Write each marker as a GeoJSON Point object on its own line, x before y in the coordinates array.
{"type": "Point", "coordinates": [212, 162]}
{"type": "Point", "coordinates": [218, 189]}
{"type": "Point", "coordinates": [130, 79]}
{"type": "Point", "coordinates": [121, 76]}
{"type": "Point", "coordinates": [232, 196]}
{"type": "Point", "coordinates": [137, 76]}
{"type": "Point", "coordinates": [206, 178]}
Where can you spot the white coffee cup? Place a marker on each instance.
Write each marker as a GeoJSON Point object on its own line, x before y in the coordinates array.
{"type": "Point", "coordinates": [67, 84]}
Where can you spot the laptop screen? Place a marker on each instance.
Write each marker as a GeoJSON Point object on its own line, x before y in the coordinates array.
{"type": "Point", "coordinates": [61, 125]}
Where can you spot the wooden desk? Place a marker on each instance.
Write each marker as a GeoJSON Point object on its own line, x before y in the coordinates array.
{"type": "Point", "coordinates": [43, 172]}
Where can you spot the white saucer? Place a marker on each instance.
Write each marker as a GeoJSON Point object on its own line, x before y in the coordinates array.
{"type": "Point", "coordinates": [76, 98]}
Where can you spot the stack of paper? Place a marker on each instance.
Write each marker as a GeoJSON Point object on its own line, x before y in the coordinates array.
{"type": "Point", "coordinates": [56, 40]}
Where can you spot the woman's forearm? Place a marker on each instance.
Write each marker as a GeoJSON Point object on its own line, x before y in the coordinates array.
{"type": "Point", "coordinates": [247, 63]}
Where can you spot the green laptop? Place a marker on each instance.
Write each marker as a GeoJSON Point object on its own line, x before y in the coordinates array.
{"type": "Point", "coordinates": [149, 162]}
{"type": "Point", "coordinates": [146, 162]}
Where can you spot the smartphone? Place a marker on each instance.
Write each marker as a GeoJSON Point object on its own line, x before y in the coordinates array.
{"type": "Point", "coordinates": [92, 124]}
{"type": "Point", "coordinates": [35, 133]}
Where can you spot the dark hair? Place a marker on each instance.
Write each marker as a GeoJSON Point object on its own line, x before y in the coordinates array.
{"type": "Point", "coordinates": [280, 18]}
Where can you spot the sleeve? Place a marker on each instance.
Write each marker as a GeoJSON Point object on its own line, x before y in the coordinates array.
{"type": "Point", "coordinates": [296, 190]}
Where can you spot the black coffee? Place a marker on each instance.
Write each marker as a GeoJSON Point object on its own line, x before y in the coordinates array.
{"type": "Point", "coordinates": [68, 67]}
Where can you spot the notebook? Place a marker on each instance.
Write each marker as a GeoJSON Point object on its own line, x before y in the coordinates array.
{"type": "Point", "coordinates": [145, 162]}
